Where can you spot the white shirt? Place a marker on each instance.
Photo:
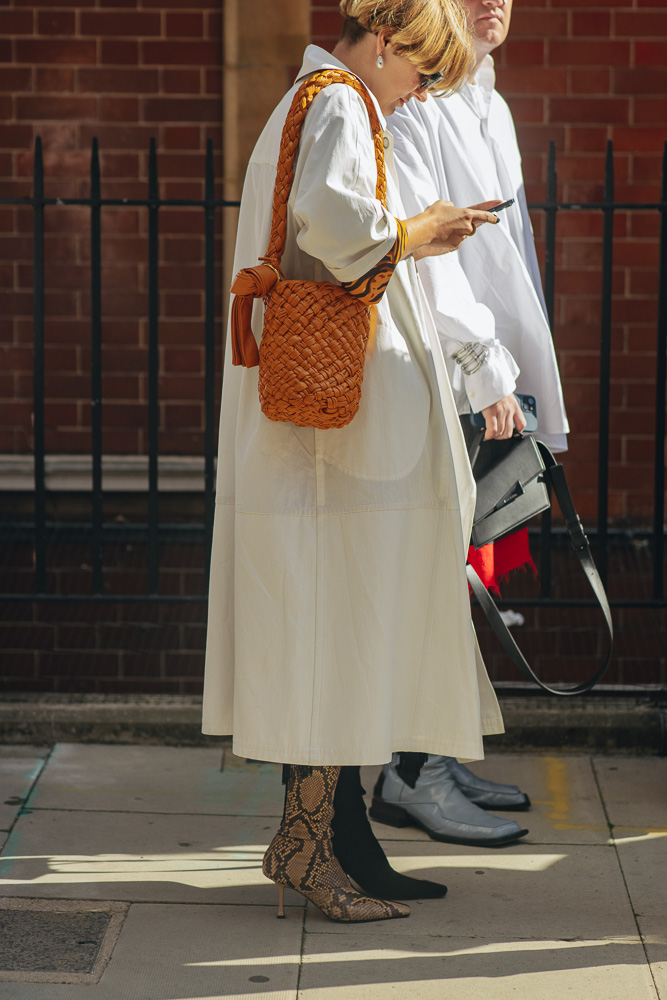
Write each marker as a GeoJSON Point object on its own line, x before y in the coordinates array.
{"type": "Point", "coordinates": [463, 148]}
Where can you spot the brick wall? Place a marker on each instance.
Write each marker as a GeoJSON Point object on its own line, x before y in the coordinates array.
{"type": "Point", "coordinates": [123, 71]}
{"type": "Point", "coordinates": [581, 73]}
{"type": "Point", "coordinates": [129, 69]}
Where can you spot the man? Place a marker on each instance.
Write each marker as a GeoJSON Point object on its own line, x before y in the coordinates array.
{"type": "Point", "coordinates": [487, 302]}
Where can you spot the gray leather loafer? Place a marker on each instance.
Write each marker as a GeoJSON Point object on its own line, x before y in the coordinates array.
{"type": "Point", "coordinates": [487, 794]}
{"type": "Point", "coordinates": [438, 806]}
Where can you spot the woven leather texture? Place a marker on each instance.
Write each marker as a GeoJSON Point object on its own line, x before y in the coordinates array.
{"type": "Point", "coordinates": [313, 347]}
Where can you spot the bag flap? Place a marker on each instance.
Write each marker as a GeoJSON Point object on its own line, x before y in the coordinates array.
{"type": "Point", "coordinates": [516, 465]}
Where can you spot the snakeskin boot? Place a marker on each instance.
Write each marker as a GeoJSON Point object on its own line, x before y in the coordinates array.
{"type": "Point", "coordinates": [301, 856]}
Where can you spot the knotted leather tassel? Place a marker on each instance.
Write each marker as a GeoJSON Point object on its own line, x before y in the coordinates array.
{"type": "Point", "coordinates": [249, 284]}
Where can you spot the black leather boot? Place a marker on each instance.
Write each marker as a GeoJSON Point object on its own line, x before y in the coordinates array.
{"type": "Point", "coordinates": [359, 852]}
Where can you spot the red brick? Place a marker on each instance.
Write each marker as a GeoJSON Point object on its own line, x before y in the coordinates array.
{"type": "Point", "coordinates": [118, 137]}
{"type": "Point", "coordinates": [52, 78]}
{"type": "Point", "coordinates": [119, 109]}
{"type": "Point", "coordinates": [182, 416]}
{"type": "Point", "coordinates": [586, 139]}
{"type": "Point", "coordinates": [181, 81]}
{"type": "Point", "coordinates": [37, 108]}
{"type": "Point", "coordinates": [590, 109]}
{"type": "Point", "coordinates": [589, 53]}
{"type": "Point", "coordinates": [214, 81]}
{"type": "Point", "coordinates": [72, 51]}
{"type": "Point", "coordinates": [120, 53]}
{"type": "Point", "coordinates": [590, 23]}
{"type": "Point", "coordinates": [183, 360]}
{"type": "Point", "coordinates": [536, 24]}
{"type": "Point", "coordinates": [589, 81]}
{"type": "Point", "coordinates": [13, 78]}
{"type": "Point", "coordinates": [644, 25]}
{"type": "Point", "coordinates": [183, 304]}
{"type": "Point", "coordinates": [181, 249]}
{"type": "Point", "coordinates": [636, 139]}
{"type": "Point", "coordinates": [647, 168]}
{"type": "Point", "coordinates": [181, 53]}
{"type": "Point", "coordinates": [183, 137]}
{"type": "Point", "coordinates": [541, 80]}
{"type": "Point", "coordinates": [119, 81]}
{"type": "Point", "coordinates": [650, 53]}
{"type": "Point", "coordinates": [185, 25]}
{"type": "Point", "coordinates": [56, 163]}
{"type": "Point", "coordinates": [16, 22]}
{"type": "Point", "coordinates": [56, 22]}
{"type": "Point", "coordinates": [61, 136]}
{"type": "Point", "coordinates": [5, 50]}
{"type": "Point", "coordinates": [121, 387]}
{"type": "Point", "coordinates": [131, 23]}
{"type": "Point", "coordinates": [650, 111]}
{"type": "Point", "coordinates": [181, 221]}
{"type": "Point", "coordinates": [640, 81]}
{"type": "Point", "coordinates": [214, 25]}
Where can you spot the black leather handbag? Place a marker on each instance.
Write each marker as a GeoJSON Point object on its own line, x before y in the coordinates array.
{"type": "Point", "coordinates": [511, 488]}
{"type": "Point", "coordinates": [514, 480]}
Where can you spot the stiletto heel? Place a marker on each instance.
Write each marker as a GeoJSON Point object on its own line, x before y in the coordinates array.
{"type": "Point", "coordinates": [281, 902]}
{"type": "Point", "coordinates": [301, 856]}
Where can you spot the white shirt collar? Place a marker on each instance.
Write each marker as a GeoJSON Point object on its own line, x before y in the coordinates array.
{"type": "Point", "coordinates": [478, 94]}
{"type": "Point", "coordinates": [315, 58]}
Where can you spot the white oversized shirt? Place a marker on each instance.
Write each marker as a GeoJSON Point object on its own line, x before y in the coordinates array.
{"type": "Point", "coordinates": [463, 148]}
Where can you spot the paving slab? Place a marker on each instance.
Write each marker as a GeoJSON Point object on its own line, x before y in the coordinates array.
{"type": "Point", "coordinates": [654, 936]}
{"type": "Point", "coordinates": [560, 892]}
{"type": "Point", "coordinates": [634, 790]}
{"type": "Point", "coordinates": [157, 779]}
{"type": "Point", "coordinates": [192, 953]}
{"type": "Point", "coordinates": [566, 806]}
{"type": "Point", "coordinates": [141, 857]}
{"type": "Point", "coordinates": [19, 767]}
{"type": "Point", "coordinates": [643, 858]}
{"type": "Point", "coordinates": [459, 968]}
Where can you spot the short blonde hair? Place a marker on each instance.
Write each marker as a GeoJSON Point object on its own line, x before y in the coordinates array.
{"type": "Point", "coordinates": [432, 34]}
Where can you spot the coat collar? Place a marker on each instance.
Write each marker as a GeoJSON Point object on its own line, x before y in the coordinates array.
{"type": "Point", "coordinates": [315, 58]}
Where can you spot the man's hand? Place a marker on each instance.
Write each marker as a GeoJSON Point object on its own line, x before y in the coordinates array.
{"type": "Point", "coordinates": [502, 418]}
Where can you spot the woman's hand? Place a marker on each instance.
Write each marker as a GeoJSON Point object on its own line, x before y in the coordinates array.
{"type": "Point", "coordinates": [442, 227]}
{"type": "Point", "coordinates": [502, 418]}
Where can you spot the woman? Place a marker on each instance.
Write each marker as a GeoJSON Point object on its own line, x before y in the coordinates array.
{"type": "Point", "coordinates": [338, 588]}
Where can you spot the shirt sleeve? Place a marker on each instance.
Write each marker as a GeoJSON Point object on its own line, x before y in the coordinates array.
{"type": "Point", "coordinates": [338, 218]}
{"type": "Point", "coordinates": [459, 318]}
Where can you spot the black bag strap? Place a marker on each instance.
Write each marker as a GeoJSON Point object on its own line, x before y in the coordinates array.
{"type": "Point", "coordinates": [556, 475]}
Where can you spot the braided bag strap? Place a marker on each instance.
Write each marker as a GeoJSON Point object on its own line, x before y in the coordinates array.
{"type": "Point", "coordinates": [289, 145]}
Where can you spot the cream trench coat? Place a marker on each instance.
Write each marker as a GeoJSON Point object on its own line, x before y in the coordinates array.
{"type": "Point", "coordinates": [464, 148]}
{"type": "Point", "coordinates": [339, 619]}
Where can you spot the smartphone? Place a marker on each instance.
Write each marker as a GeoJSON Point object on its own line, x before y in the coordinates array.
{"type": "Point", "coordinates": [505, 204]}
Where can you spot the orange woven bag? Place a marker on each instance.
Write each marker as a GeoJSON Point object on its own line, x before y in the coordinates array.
{"type": "Point", "coordinates": [313, 347]}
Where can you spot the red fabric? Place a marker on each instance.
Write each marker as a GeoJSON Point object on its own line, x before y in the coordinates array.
{"type": "Point", "coordinates": [494, 561]}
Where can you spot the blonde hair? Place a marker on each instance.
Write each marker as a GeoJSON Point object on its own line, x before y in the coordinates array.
{"type": "Point", "coordinates": [432, 34]}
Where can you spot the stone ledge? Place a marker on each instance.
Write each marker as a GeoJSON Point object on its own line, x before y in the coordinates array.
{"type": "Point", "coordinates": [593, 724]}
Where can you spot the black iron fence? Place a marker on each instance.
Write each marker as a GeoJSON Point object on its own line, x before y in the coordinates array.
{"type": "Point", "coordinates": [39, 529]}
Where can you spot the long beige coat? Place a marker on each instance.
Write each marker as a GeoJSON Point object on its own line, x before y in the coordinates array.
{"type": "Point", "coordinates": [339, 619]}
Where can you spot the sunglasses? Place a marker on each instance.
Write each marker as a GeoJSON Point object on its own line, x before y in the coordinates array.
{"type": "Point", "coordinates": [429, 81]}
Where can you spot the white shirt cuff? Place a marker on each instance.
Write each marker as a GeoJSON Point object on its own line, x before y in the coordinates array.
{"type": "Point", "coordinates": [493, 381]}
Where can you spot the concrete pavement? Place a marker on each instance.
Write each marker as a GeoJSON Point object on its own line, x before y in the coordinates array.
{"type": "Point", "coordinates": [133, 873]}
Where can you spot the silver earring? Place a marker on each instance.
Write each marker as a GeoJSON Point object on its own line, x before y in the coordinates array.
{"type": "Point", "coordinates": [380, 61]}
